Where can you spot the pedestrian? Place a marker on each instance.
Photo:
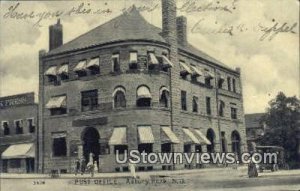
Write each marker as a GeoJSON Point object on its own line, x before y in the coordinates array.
{"type": "Point", "coordinates": [95, 167]}
{"type": "Point", "coordinates": [252, 169]}
{"type": "Point", "coordinates": [82, 166]}
{"type": "Point", "coordinates": [77, 166]}
{"type": "Point", "coordinates": [90, 168]}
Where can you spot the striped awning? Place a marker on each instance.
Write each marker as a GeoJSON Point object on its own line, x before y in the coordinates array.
{"type": "Point", "coordinates": [143, 92]}
{"type": "Point", "coordinates": [57, 102]}
{"type": "Point", "coordinates": [145, 134]}
{"type": "Point", "coordinates": [191, 135]}
{"type": "Point", "coordinates": [153, 59]}
{"type": "Point", "coordinates": [185, 68]}
{"type": "Point", "coordinates": [167, 62]}
{"type": "Point", "coordinates": [170, 134]}
{"type": "Point", "coordinates": [19, 151]}
{"type": "Point", "coordinates": [203, 139]}
{"type": "Point", "coordinates": [196, 71]}
{"type": "Point", "coordinates": [80, 66]}
{"type": "Point", "coordinates": [51, 71]}
{"type": "Point", "coordinates": [64, 69]}
{"type": "Point", "coordinates": [93, 63]}
{"type": "Point", "coordinates": [118, 136]}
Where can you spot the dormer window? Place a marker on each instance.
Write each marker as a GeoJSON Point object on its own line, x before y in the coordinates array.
{"type": "Point", "coordinates": [80, 68]}
{"type": "Point", "coordinates": [115, 59]}
{"type": "Point", "coordinates": [94, 66]}
{"type": "Point", "coordinates": [133, 61]}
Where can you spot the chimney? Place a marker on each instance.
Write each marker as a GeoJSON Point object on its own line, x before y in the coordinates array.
{"type": "Point", "coordinates": [181, 24]}
{"type": "Point", "coordinates": [169, 22]}
{"type": "Point", "coordinates": [55, 35]}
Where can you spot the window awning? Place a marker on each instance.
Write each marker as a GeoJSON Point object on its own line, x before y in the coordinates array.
{"type": "Point", "coordinates": [153, 59]}
{"type": "Point", "coordinates": [170, 134]}
{"type": "Point", "coordinates": [133, 57]}
{"type": "Point", "coordinates": [221, 77]}
{"type": "Point", "coordinates": [57, 102]}
{"type": "Point", "coordinates": [19, 151]}
{"type": "Point", "coordinates": [118, 136]}
{"type": "Point", "coordinates": [196, 71]}
{"type": "Point", "coordinates": [186, 68]}
{"type": "Point", "coordinates": [203, 139]}
{"type": "Point", "coordinates": [143, 92]}
{"type": "Point", "coordinates": [64, 69]}
{"type": "Point", "coordinates": [191, 135]}
{"type": "Point", "coordinates": [80, 66]}
{"type": "Point", "coordinates": [93, 63]}
{"type": "Point", "coordinates": [58, 135]}
{"type": "Point", "coordinates": [145, 134]}
{"type": "Point", "coordinates": [167, 62]}
{"type": "Point", "coordinates": [208, 74]}
{"type": "Point", "coordinates": [51, 71]}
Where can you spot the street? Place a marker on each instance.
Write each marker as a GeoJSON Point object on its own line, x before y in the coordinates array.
{"type": "Point", "coordinates": [204, 179]}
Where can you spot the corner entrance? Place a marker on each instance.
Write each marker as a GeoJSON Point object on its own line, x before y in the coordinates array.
{"type": "Point", "coordinates": [90, 138]}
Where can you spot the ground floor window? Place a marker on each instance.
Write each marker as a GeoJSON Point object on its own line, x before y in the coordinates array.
{"type": "Point", "coordinates": [198, 148]}
{"type": "Point", "coordinates": [121, 148]}
{"type": "Point", "coordinates": [147, 148]}
{"type": "Point", "coordinates": [187, 148]}
{"type": "Point", "coordinates": [59, 147]}
{"type": "Point", "coordinates": [15, 163]}
{"type": "Point", "coordinates": [58, 111]}
{"type": "Point", "coordinates": [166, 148]}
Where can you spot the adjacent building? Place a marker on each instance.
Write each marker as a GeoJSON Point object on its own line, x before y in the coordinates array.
{"type": "Point", "coordinates": [130, 85]}
{"type": "Point", "coordinates": [255, 129]}
{"type": "Point", "coordinates": [18, 134]}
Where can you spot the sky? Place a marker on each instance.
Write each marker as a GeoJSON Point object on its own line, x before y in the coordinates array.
{"type": "Point", "coordinates": [259, 36]}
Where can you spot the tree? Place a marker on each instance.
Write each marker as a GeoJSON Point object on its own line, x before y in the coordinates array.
{"type": "Point", "coordinates": [283, 124]}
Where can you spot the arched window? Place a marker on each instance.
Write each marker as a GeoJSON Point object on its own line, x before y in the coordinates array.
{"type": "Point", "coordinates": [236, 143]}
{"type": "Point", "coordinates": [164, 97]}
{"type": "Point", "coordinates": [119, 98]}
{"type": "Point", "coordinates": [143, 97]}
{"type": "Point", "coordinates": [211, 137]}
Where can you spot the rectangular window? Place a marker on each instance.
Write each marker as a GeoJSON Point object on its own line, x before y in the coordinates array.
{"type": "Point", "coordinates": [208, 106]}
{"type": "Point", "coordinates": [195, 104]}
{"type": "Point", "coordinates": [233, 113]}
{"type": "Point", "coordinates": [58, 111]}
{"type": "Point", "coordinates": [121, 148]}
{"type": "Point", "coordinates": [146, 147]}
{"type": "Point", "coordinates": [198, 149]}
{"type": "Point", "coordinates": [133, 61]}
{"type": "Point", "coordinates": [166, 148]}
{"type": "Point", "coordinates": [89, 100]}
{"type": "Point", "coordinates": [187, 148]}
{"type": "Point", "coordinates": [5, 128]}
{"type": "Point", "coordinates": [221, 108]}
{"type": "Point", "coordinates": [59, 145]}
{"type": "Point", "coordinates": [115, 63]}
{"type": "Point", "coordinates": [229, 83]}
{"type": "Point", "coordinates": [31, 125]}
{"type": "Point", "coordinates": [15, 163]}
{"type": "Point", "coordinates": [19, 126]}
{"type": "Point", "coordinates": [233, 85]}
{"type": "Point", "coordinates": [183, 100]}
{"type": "Point", "coordinates": [208, 82]}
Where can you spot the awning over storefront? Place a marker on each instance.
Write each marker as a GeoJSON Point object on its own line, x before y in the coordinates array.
{"type": "Point", "coordinates": [118, 136]}
{"type": "Point", "coordinates": [167, 62]}
{"type": "Point", "coordinates": [80, 66]}
{"type": "Point", "coordinates": [145, 134]}
{"type": "Point", "coordinates": [19, 151]}
{"type": "Point", "coordinates": [93, 63]}
{"type": "Point", "coordinates": [185, 68]}
{"type": "Point", "coordinates": [203, 139]}
{"type": "Point", "coordinates": [143, 92]}
{"type": "Point", "coordinates": [170, 134]}
{"type": "Point", "coordinates": [196, 71]}
{"type": "Point", "coordinates": [64, 69]}
{"type": "Point", "coordinates": [57, 102]}
{"type": "Point", "coordinates": [191, 135]}
{"type": "Point", "coordinates": [153, 59]}
{"type": "Point", "coordinates": [51, 71]}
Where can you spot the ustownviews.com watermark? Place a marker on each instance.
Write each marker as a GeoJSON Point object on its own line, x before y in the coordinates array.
{"type": "Point", "coordinates": [135, 157]}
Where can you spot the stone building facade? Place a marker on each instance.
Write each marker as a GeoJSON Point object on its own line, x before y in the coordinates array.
{"type": "Point", "coordinates": [18, 142]}
{"type": "Point", "coordinates": [129, 85]}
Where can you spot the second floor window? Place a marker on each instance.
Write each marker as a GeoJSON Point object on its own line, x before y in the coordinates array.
{"type": "Point", "coordinates": [89, 100]}
{"type": "Point", "coordinates": [195, 104]}
{"type": "Point", "coordinates": [229, 83]}
{"type": "Point", "coordinates": [133, 61]}
{"type": "Point", "coordinates": [115, 63]}
{"type": "Point", "coordinates": [183, 100]}
{"type": "Point", "coordinates": [119, 98]}
{"type": "Point", "coordinates": [19, 127]}
{"type": "Point", "coordinates": [31, 126]}
{"type": "Point", "coordinates": [208, 107]}
{"type": "Point", "coordinates": [5, 128]}
{"type": "Point", "coordinates": [233, 113]}
{"type": "Point", "coordinates": [221, 108]}
{"type": "Point", "coordinates": [233, 85]}
{"type": "Point", "coordinates": [164, 97]}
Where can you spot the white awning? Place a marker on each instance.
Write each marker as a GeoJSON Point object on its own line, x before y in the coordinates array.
{"type": "Point", "coordinates": [118, 136]}
{"type": "Point", "coordinates": [19, 151]}
{"type": "Point", "coordinates": [203, 139]}
{"type": "Point", "coordinates": [196, 71]}
{"type": "Point", "coordinates": [143, 92]}
{"type": "Point", "coordinates": [57, 102]}
{"type": "Point", "coordinates": [171, 135]}
{"type": "Point", "coordinates": [185, 68]}
{"type": "Point", "coordinates": [145, 134]}
{"type": "Point", "coordinates": [153, 59]}
{"type": "Point", "coordinates": [51, 71]}
{"type": "Point", "coordinates": [133, 57]}
{"type": "Point", "coordinates": [191, 135]}
{"type": "Point", "coordinates": [58, 135]}
{"type": "Point", "coordinates": [208, 74]}
{"type": "Point", "coordinates": [167, 62]}
{"type": "Point", "coordinates": [93, 63]}
{"type": "Point", "coordinates": [163, 89]}
{"type": "Point", "coordinates": [64, 69]}
{"type": "Point", "coordinates": [80, 66]}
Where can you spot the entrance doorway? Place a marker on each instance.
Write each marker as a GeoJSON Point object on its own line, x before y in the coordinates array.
{"type": "Point", "coordinates": [90, 138]}
{"type": "Point", "coordinates": [211, 137]}
{"type": "Point", "coordinates": [236, 143]}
